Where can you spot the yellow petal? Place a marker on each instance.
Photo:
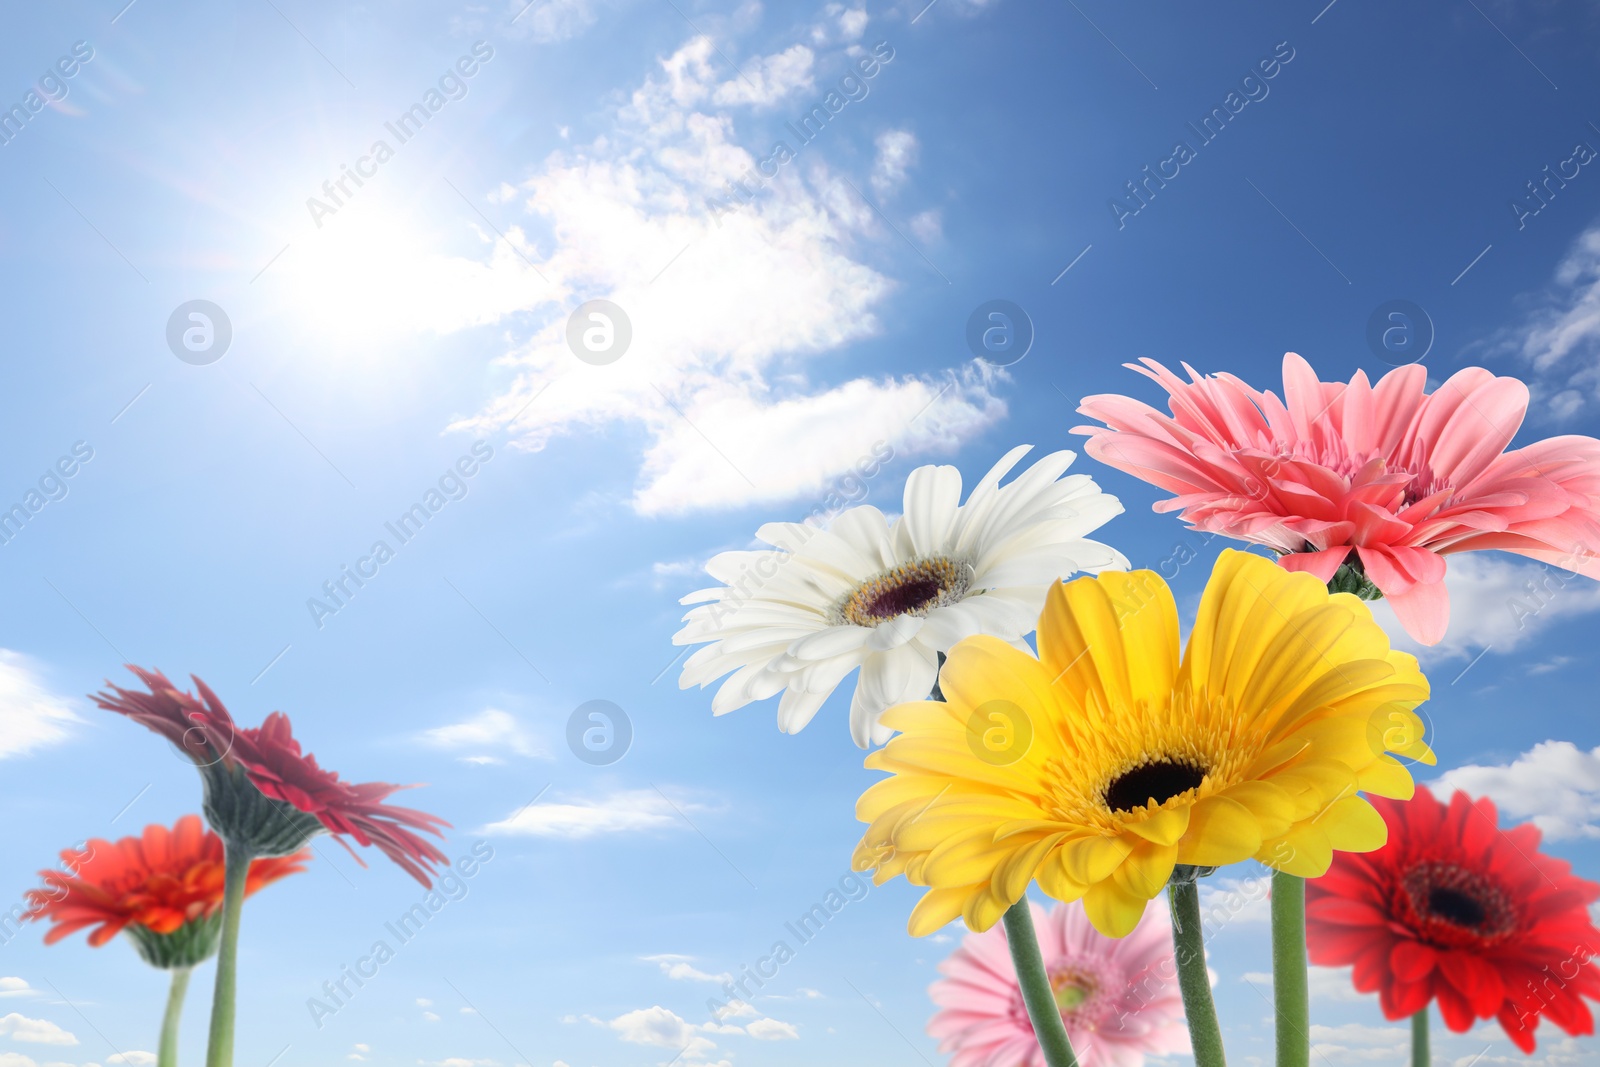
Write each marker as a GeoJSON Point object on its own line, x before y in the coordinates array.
{"type": "Point", "coordinates": [1111, 640]}
{"type": "Point", "coordinates": [1147, 869]}
{"type": "Point", "coordinates": [1304, 850]}
{"type": "Point", "coordinates": [1353, 825]}
{"type": "Point", "coordinates": [1113, 910]}
{"type": "Point", "coordinates": [1092, 859]}
{"type": "Point", "coordinates": [1221, 831]}
{"type": "Point", "coordinates": [984, 909]}
{"type": "Point", "coordinates": [1165, 827]}
{"type": "Point", "coordinates": [1387, 777]}
{"type": "Point", "coordinates": [1273, 808]}
{"type": "Point", "coordinates": [1014, 872]}
{"type": "Point", "coordinates": [937, 909]}
{"type": "Point", "coordinates": [966, 859]}
{"type": "Point", "coordinates": [1053, 878]}
{"type": "Point", "coordinates": [1315, 783]}
{"type": "Point", "coordinates": [1244, 605]}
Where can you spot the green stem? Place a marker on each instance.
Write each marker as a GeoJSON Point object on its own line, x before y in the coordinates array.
{"type": "Point", "coordinates": [1420, 1057]}
{"type": "Point", "coordinates": [1290, 988]}
{"type": "Point", "coordinates": [1189, 942]}
{"type": "Point", "coordinates": [219, 1052]}
{"type": "Point", "coordinates": [167, 1051]}
{"type": "Point", "coordinates": [1036, 992]}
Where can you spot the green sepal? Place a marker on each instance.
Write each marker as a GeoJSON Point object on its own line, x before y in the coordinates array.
{"type": "Point", "coordinates": [247, 819]}
{"type": "Point", "coordinates": [188, 946]}
{"type": "Point", "coordinates": [1352, 578]}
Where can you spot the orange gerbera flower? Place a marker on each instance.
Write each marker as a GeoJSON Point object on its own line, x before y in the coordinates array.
{"type": "Point", "coordinates": [161, 881]}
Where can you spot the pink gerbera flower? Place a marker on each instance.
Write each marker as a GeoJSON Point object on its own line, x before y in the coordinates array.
{"type": "Point", "coordinates": [1118, 996]}
{"type": "Point", "coordinates": [1397, 474]}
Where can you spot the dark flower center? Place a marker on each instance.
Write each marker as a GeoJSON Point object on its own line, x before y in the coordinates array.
{"type": "Point", "coordinates": [1159, 780]}
{"type": "Point", "coordinates": [910, 589]}
{"type": "Point", "coordinates": [1455, 906]}
{"type": "Point", "coordinates": [900, 599]}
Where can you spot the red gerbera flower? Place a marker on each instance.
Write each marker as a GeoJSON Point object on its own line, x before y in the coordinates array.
{"type": "Point", "coordinates": [271, 760]}
{"type": "Point", "coordinates": [1455, 910]}
{"type": "Point", "coordinates": [160, 880]}
{"type": "Point", "coordinates": [202, 731]}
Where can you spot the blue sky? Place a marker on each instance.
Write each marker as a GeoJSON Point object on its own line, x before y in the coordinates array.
{"type": "Point", "coordinates": [777, 338]}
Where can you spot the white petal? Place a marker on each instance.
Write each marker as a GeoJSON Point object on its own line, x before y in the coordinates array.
{"type": "Point", "coordinates": [785, 536]}
{"type": "Point", "coordinates": [825, 644]}
{"type": "Point", "coordinates": [933, 493]}
{"type": "Point", "coordinates": [1006, 617]}
{"type": "Point", "coordinates": [887, 679]}
{"type": "Point", "coordinates": [866, 529]}
{"type": "Point", "coordinates": [826, 675]}
{"type": "Point", "coordinates": [949, 624]}
{"type": "Point", "coordinates": [1016, 502]}
{"type": "Point", "coordinates": [984, 495]}
{"type": "Point", "coordinates": [894, 632]}
{"type": "Point", "coordinates": [726, 567]}
{"type": "Point", "coordinates": [708, 664]}
{"type": "Point", "coordinates": [797, 708]}
{"type": "Point", "coordinates": [864, 713]}
{"type": "Point", "coordinates": [735, 692]}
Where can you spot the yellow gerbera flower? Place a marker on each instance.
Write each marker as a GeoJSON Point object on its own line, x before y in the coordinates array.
{"type": "Point", "coordinates": [1097, 767]}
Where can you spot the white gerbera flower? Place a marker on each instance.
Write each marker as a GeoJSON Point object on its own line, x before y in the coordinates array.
{"type": "Point", "coordinates": [891, 599]}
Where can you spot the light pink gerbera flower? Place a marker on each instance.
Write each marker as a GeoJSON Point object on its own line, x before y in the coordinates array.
{"type": "Point", "coordinates": [1118, 996]}
{"type": "Point", "coordinates": [1400, 475]}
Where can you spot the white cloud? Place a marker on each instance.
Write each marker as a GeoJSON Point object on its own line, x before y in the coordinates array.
{"type": "Point", "coordinates": [1341, 1055]}
{"type": "Point", "coordinates": [35, 1031]}
{"type": "Point", "coordinates": [627, 811]}
{"type": "Point", "coordinates": [1554, 663]}
{"type": "Point", "coordinates": [1560, 336]}
{"type": "Point", "coordinates": [1225, 902]}
{"type": "Point", "coordinates": [730, 299]}
{"type": "Point", "coordinates": [770, 80]}
{"type": "Point", "coordinates": [661, 1028]}
{"type": "Point", "coordinates": [1564, 1052]}
{"type": "Point", "coordinates": [1333, 985]}
{"type": "Point", "coordinates": [853, 23]}
{"type": "Point", "coordinates": [897, 154]}
{"type": "Point", "coordinates": [1498, 602]}
{"type": "Point", "coordinates": [1359, 1034]}
{"type": "Point", "coordinates": [491, 729]}
{"type": "Point", "coordinates": [16, 987]}
{"type": "Point", "coordinates": [681, 969]}
{"type": "Point", "coordinates": [730, 448]}
{"type": "Point", "coordinates": [927, 226]}
{"type": "Point", "coordinates": [459, 1061]}
{"type": "Point", "coordinates": [31, 716]}
{"type": "Point", "coordinates": [1555, 784]}
{"type": "Point", "coordinates": [134, 1058]}
{"type": "Point", "coordinates": [772, 1030]}
{"type": "Point", "coordinates": [552, 20]}
{"type": "Point", "coordinates": [737, 1009]}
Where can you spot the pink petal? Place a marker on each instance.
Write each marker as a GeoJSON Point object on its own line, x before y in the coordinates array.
{"type": "Point", "coordinates": [1323, 565]}
{"type": "Point", "coordinates": [1424, 611]}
